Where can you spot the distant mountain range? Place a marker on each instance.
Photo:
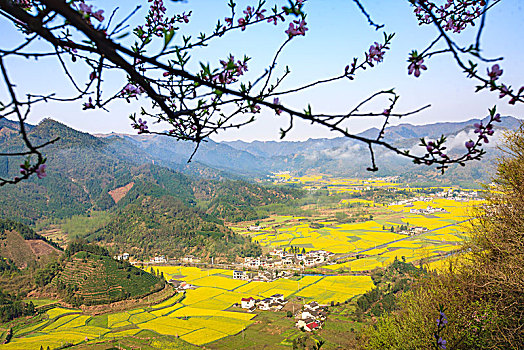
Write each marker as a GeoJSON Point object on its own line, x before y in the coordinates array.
{"type": "Point", "coordinates": [238, 159]}
{"type": "Point", "coordinates": [337, 156]}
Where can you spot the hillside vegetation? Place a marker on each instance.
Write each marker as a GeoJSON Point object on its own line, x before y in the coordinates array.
{"type": "Point", "coordinates": [478, 302]}
{"type": "Point", "coordinates": [156, 211]}
{"type": "Point", "coordinates": [87, 275]}
{"type": "Point", "coordinates": [88, 279]}
{"type": "Point", "coordinates": [148, 226]}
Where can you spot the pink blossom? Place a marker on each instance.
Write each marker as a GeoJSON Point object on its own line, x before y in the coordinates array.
{"type": "Point", "coordinates": [132, 91]}
{"type": "Point", "coordinates": [141, 126]}
{"type": "Point", "coordinates": [248, 11]}
{"type": "Point", "coordinates": [495, 72]}
{"type": "Point", "coordinates": [185, 17]}
{"type": "Point", "coordinates": [299, 29]}
{"type": "Point", "coordinates": [275, 19]}
{"type": "Point", "coordinates": [242, 23]}
{"type": "Point", "coordinates": [276, 101]}
{"type": "Point", "coordinates": [503, 91]}
{"type": "Point", "coordinates": [40, 171]}
{"type": "Point", "coordinates": [416, 66]}
{"type": "Point", "coordinates": [260, 15]}
{"type": "Point", "coordinates": [470, 144]}
{"type": "Point", "coordinates": [376, 52]}
{"type": "Point", "coordinates": [98, 15]}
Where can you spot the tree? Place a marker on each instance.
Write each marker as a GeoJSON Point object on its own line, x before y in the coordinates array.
{"type": "Point", "coordinates": [195, 104]}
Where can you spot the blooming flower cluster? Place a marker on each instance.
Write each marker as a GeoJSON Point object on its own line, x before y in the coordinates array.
{"type": "Point", "coordinates": [88, 12]}
{"type": "Point", "coordinates": [483, 131]}
{"type": "Point", "coordinates": [495, 72]}
{"type": "Point", "coordinates": [416, 63]}
{"type": "Point", "coordinates": [297, 27]}
{"type": "Point", "coordinates": [434, 150]}
{"type": "Point", "coordinates": [376, 52]}
{"type": "Point", "coordinates": [157, 23]}
{"type": "Point", "coordinates": [493, 75]}
{"type": "Point", "coordinates": [258, 14]}
{"type": "Point", "coordinates": [141, 126]}
{"type": "Point", "coordinates": [131, 90]}
{"type": "Point", "coordinates": [230, 72]}
{"type": "Point", "coordinates": [276, 101]}
{"type": "Point", "coordinates": [442, 321]}
{"type": "Point", "coordinates": [453, 15]}
{"type": "Point", "coordinates": [26, 168]}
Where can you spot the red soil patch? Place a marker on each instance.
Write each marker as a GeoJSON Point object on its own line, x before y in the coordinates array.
{"type": "Point", "coordinates": [118, 193]}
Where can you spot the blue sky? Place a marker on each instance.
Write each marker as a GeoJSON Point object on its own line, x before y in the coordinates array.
{"type": "Point", "coordinates": [337, 33]}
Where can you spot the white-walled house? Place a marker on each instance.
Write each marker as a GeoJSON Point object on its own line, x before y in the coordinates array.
{"type": "Point", "coordinates": [248, 303]}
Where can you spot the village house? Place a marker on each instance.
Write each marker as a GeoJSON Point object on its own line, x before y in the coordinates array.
{"type": "Point", "coordinates": [159, 259]}
{"type": "Point", "coordinates": [278, 297]}
{"type": "Point", "coordinates": [276, 305]}
{"type": "Point", "coordinates": [247, 303]}
{"type": "Point", "coordinates": [312, 326]}
{"type": "Point", "coordinates": [241, 275]}
{"type": "Point", "coordinates": [175, 283]}
{"type": "Point", "coordinates": [124, 256]}
{"type": "Point", "coordinates": [313, 306]}
{"type": "Point", "coordinates": [277, 252]}
{"type": "Point", "coordinates": [265, 304]}
{"type": "Point", "coordinates": [303, 322]}
{"type": "Point", "coordinates": [190, 259]}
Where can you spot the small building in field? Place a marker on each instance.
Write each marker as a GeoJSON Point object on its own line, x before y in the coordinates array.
{"type": "Point", "coordinates": [302, 323]}
{"type": "Point", "coordinates": [265, 304]}
{"type": "Point", "coordinates": [247, 303]}
{"type": "Point", "coordinates": [239, 275]}
{"type": "Point", "coordinates": [312, 326]}
{"type": "Point", "coordinates": [278, 298]}
{"type": "Point", "coordinates": [313, 306]}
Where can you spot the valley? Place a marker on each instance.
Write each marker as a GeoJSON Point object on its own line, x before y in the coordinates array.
{"type": "Point", "coordinates": [323, 247]}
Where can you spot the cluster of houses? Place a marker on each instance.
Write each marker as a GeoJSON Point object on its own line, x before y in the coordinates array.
{"type": "Point", "coordinates": [413, 230]}
{"type": "Point", "coordinates": [260, 276]}
{"type": "Point", "coordinates": [161, 259]}
{"type": "Point", "coordinates": [428, 210]}
{"type": "Point", "coordinates": [275, 302]}
{"type": "Point", "coordinates": [457, 195]}
{"type": "Point", "coordinates": [124, 256]}
{"type": "Point", "coordinates": [281, 259]}
{"type": "Point", "coordinates": [311, 317]}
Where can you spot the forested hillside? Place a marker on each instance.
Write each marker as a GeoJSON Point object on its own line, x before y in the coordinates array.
{"type": "Point", "coordinates": [150, 225]}
{"type": "Point", "coordinates": [143, 201]}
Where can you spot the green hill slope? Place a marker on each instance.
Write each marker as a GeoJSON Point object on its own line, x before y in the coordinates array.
{"type": "Point", "coordinates": [151, 225]}
{"type": "Point", "coordinates": [90, 279]}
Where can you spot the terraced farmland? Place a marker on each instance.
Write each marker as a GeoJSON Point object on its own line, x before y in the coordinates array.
{"type": "Point", "coordinates": [101, 279]}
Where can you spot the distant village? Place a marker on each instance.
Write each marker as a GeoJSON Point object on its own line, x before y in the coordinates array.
{"type": "Point", "coordinates": [456, 195]}
{"type": "Point", "coordinates": [280, 258]}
